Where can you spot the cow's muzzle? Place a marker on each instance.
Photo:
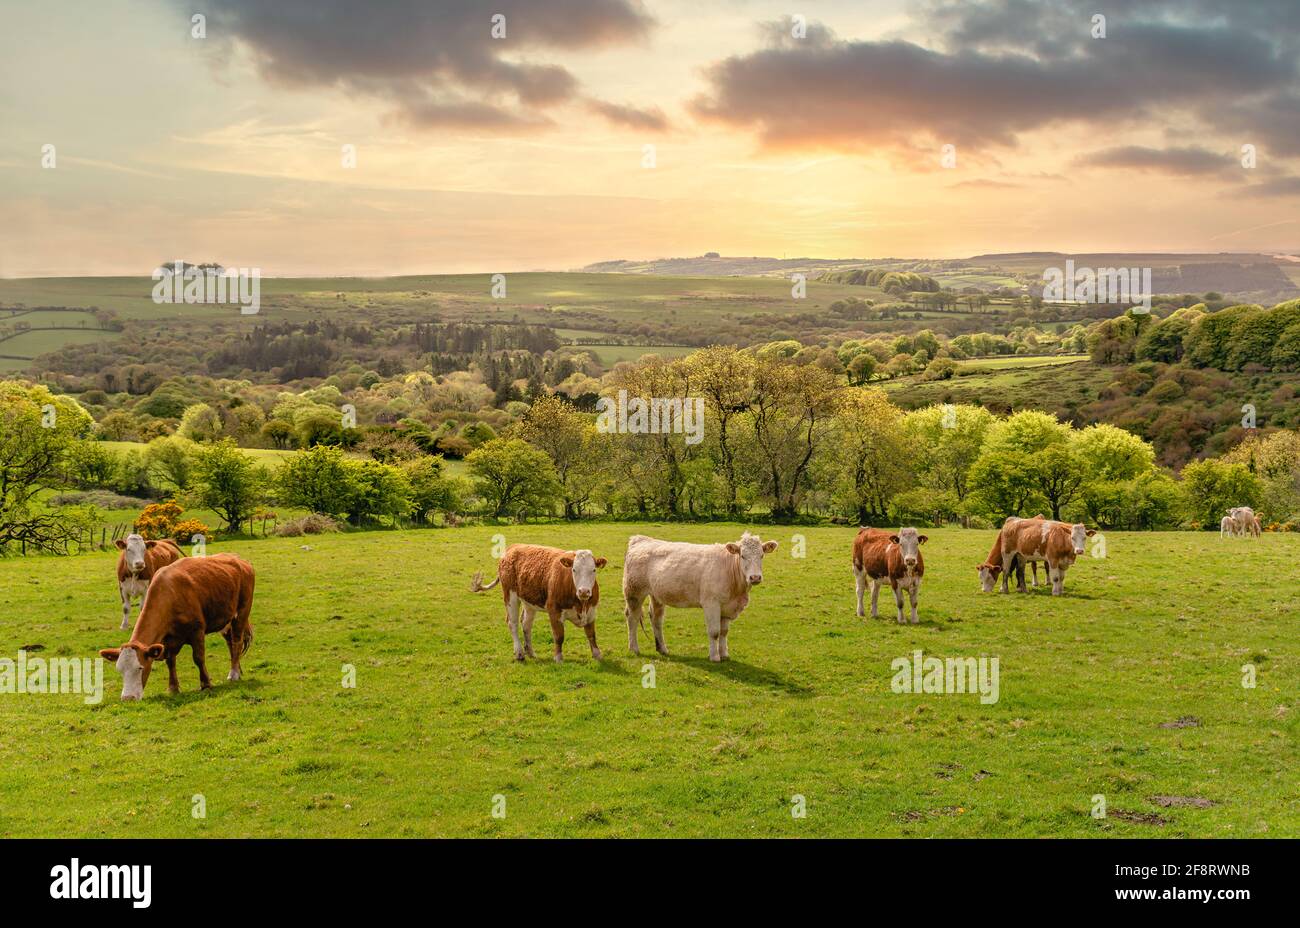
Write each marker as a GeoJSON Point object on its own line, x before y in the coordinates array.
{"type": "Point", "coordinates": [755, 579]}
{"type": "Point", "coordinates": [909, 561]}
{"type": "Point", "coordinates": [584, 594]}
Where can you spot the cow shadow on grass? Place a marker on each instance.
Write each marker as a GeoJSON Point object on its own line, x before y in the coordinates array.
{"type": "Point", "coordinates": [225, 689]}
{"type": "Point", "coordinates": [742, 673]}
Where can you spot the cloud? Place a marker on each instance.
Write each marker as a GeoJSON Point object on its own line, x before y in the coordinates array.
{"type": "Point", "coordinates": [435, 64]}
{"type": "Point", "coordinates": [1286, 186]}
{"type": "Point", "coordinates": [1002, 69]}
{"type": "Point", "coordinates": [650, 119]}
{"type": "Point", "coordinates": [1182, 162]}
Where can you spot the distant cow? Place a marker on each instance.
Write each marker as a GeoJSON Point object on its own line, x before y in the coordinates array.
{"type": "Point", "coordinates": [137, 564]}
{"type": "Point", "coordinates": [880, 556]}
{"type": "Point", "coordinates": [992, 567]}
{"type": "Point", "coordinates": [187, 601]}
{"type": "Point", "coordinates": [1227, 527]}
{"type": "Point", "coordinates": [1255, 527]}
{"type": "Point", "coordinates": [1243, 520]}
{"type": "Point", "coordinates": [563, 583]}
{"type": "Point", "coordinates": [716, 578]}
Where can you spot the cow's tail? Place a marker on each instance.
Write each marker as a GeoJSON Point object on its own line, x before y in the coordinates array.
{"type": "Point", "coordinates": [476, 586]}
{"type": "Point", "coordinates": [248, 640]}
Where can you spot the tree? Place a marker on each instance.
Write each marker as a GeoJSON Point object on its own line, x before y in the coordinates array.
{"type": "Point", "coordinates": [36, 431]}
{"type": "Point", "coordinates": [380, 490]}
{"type": "Point", "coordinates": [1059, 475]}
{"type": "Point", "coordinates": [171, 461]}
{"type": "Point", "coordinates": [1005, 483]}
{"type": "Point", "coordinates": [873, 449]}
{"type": "Point", "coordinates": [317, 479]}
{"type": "Point", "coordinates": [227, 481]}
{"type": "Point", "coordinates": [724, 377]}
{"type": "Point", "coordinates": [1211, 488]}
{"type": "Point", "coordinates": [200, 423]}
{"type": "Point", "coordinates": [432, 489]}
{"type": "Point", "coordinates": [950, 438]}
{"type": "Point", "coordinates": [571, 441]}
{"type": "Point", "coordinates": [513, 478]}
{"type": "Point", "coordinates": [793, 410]}
{"type": "Point", "coordinates": [1110, 453]}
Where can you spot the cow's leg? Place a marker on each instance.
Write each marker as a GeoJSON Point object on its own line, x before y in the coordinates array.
{"type": "Point", "coordinates": [529, 614]}
{"type": "Point", "coordinates": [860, 583]}
{"type": "Point", "coordinates": [1057, 575]}
{"type": "Point", "coordinates": [173, 682]}
{"type": "Point", "coordinates": [713, 624]}
{"type": "Point", "coordinates": [722, 639]}
{"type": "Point", "coordinates": [126, 607]}
{"type": "Point", "coordinates": [632, 612]}
{"type": "Point", "coordinates": [898, 598]}
{"type": "Point", "coordinates": [239, 638]}
{"type": "Point", "coordinates": [557, 631]}
{"type": "Point", "coordinates": [590, 629]}
{"type": "Point", "coordinates": [1008, 565]}
{"type": "Point", "coordinates": [1034, 566]}
{"type": "Point", "coordinates": [875, 596]}
{"type": "Point", "coordinates": [512, 619]}
{"type": "Point", "coordinates": [198, 645]}
{"type": "Point", "coordinates": [913, 592]}
{"type": "Point", "coordinates": [657, 610]}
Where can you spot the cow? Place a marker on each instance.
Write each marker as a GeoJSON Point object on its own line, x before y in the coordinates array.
{"type": "Point", "coordinates": [880, 556]}
{"type": "Point", "coordinates": [993, 564]}
{"type": "Point", "coordinates": [187, 601]}
{"type": "Point", "coordinates": [1255, 527]}
{"type": "Point", "coordinates": [561, 582]}
{"type": "Point", "coordinates": [1227, 527]}
{"type": "Point", "coordinates": [716, 578]}
{"type": "Point", "coordinates": [137, 564]}
{"type": "Point", "coordinates": [1057, 543]}
{"type": "Point", "coordinates": [1243, 519]}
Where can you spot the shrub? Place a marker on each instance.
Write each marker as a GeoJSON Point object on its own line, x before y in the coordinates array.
{"type": "Point", "coordinates": [159, 520]}
{"type": "Point", "coordinates": [314, 524]}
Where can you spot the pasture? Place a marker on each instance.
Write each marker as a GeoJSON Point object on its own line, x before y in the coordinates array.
{"type": "Point", "coordinates": [1129, 686]}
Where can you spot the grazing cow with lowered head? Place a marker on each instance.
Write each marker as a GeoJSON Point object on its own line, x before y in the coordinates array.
{"type": "Point", "coordinates": [563, 583]}
{"type": "Point", "coordinates": [993, 564]}
{"type": "Point", "coordinates": [715, 578]}
{"type": "Point", "coordinates": [187, 601]}
{"type": "Point", "coordinates": [879, 556]}
{"type": "Point", "coordinates": [137, 564]}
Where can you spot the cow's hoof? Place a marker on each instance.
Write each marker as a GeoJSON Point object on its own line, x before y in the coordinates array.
{"type": "Point", "coordinates": [530, 653]}
{"type": "Point", "coordinates": [202, 686]}
{"type": "Point", "coordinates": [173, 690]}
{"type": "Point", "coordinates": [233, 675]}
{"type": "Point", "coordinates": [519, 656]}
{"type": "Point", "coordinates": [861, 614]}
{"type": "Point", "coordinates": [125, 626]}
{"type": "Point", "coordinates": [663, 651]}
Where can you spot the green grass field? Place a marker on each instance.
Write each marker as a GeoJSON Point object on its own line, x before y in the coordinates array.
{"type": "Point", "coordinates": [441, 720]}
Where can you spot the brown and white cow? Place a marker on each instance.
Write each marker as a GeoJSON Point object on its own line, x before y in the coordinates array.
{"type": "Point", "coordinates": [187, 601]}
{"type": "Point", "coordinates": [137, 564]}
{"type": "Point", "coordinates": [993, 564]}
{"type": "Point", "coordinates": [716, 578]}
{"type": "Point", "coordinates": [1057, 543]}
{"type": "Point", "coordinates": [880, 556]}
{"type": "Point", "coordinates": [563, 583]}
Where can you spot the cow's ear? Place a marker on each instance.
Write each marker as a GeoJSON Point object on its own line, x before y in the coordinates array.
{"type": "Point", "coordinates": [121, 545]}
{"type": "Point", "coordinates": [601, 562]}
{"type": "Point", "coordinates": [1090, 532]}
{"type": "Point", "coordinates": [111, 654]}
{"type": "Point", "coordinates": [733, 548]}
{"type": "Point", "coordinates": [769, 547]}
{"type": "Point", "coordinates": [150, 544]}
{"type": "Point", "coordinates": [154, 650]}
{"type": "Point", "coordinates": [922, 539]}
{"type": "Point", "coordinates": [893, 539]}
{"type": "Point", "coordinates": [566, 560]}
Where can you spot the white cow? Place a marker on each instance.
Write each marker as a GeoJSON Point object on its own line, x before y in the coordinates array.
{"type": "Point", "coordinates": [715, 578]}
{"type": "Point", "coordinates": [1243, 520]}
{"type": "Point", "coordinates": [1227, 527]}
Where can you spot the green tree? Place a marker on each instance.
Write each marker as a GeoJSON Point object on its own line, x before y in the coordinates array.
{"type": "Point", "coordinates": [227, 481]}
{"type": "Point", "coordinates": [319, 480]}
{"type": "Point", "coordinates": [1212, 487]}
{"type": "Point", "coordinates": [171, 460]}
{"type": "Point", "coordinates": [513, 478]}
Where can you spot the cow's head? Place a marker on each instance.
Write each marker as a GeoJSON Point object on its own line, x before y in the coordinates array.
{"type": "Point", "coordinates": [583, 564]}
{"type": "Point", "coordinates": [989, 576]}
{"type": "Point", "coordinates": [1079, 535]}
{"type": "Point", "coordinates": [910, 542]}
{"type": "Point", "coordinates": [133, 661]}
{"type": "Point", "coordinates": [135, 547]}
{"type": "Point", "coordinates": [751, 549]}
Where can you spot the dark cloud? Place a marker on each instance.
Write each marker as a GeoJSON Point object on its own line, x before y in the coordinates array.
{"type": "Point", "coordinates": [437, 63]}
{"type": "Point", "coordinates": [650, 119]}
{"type": "Point", "coordinates": [1178, 161]}
{"type": "Point", "coordinates": [1003, 68]}
{"type": "Point", "coordinates": [1285, 186]}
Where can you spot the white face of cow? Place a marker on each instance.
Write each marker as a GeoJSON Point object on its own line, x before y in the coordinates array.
{"type": "Point", "coordinates": [133, 663]}
{"type": "Point", "coordinates": [910, 541]}
{"type": "Point", "coordinates": [134, 550]}
{"type": "Point", "coordinates": [583, 564]}
{"type": "Point", "coordinates": [988, 578]}
{"type": "Point", "coordinates": [1079, 534]}
{"type": "Point", "coordinates": [751, 549]}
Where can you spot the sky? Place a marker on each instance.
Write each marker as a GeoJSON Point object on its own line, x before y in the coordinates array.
{"type": "Point", "coordinates": [595, 130]}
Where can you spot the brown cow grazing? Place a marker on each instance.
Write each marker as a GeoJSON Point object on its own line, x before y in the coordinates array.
{"type": "Point", "coordinates": [137, 564]}
{"type": "Point", "coordinates": [993, 567]}
{"type": "Point", "coordinates": [187, 601]}
{"type": "Point", "coordinates": [879, 556]}
{"type": "Point", "coordinates": [1057, 543]}
{"type": "Point", "coordinates": [563, 583]}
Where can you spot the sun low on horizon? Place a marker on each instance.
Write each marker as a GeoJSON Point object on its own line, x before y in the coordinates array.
{"type": "Point", "coordinates": [332, 139]}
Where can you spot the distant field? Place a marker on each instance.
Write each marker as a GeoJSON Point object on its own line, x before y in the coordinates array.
{"type": "Point", "coordinates": [32, 344]}
{"type": "Point", "coordinates": [1016, 361]}
{"type": "Point", "coordinates": [268, 456]}
{"type": "Point", "coordinates": [1129, 687]}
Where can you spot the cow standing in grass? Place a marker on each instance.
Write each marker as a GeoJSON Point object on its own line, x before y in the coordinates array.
{"type": "Point", "coordinates": [187, 601]}
{"type": "Point", "coordinates": [880, 556]}
{"type": "Point", "coordinates": [715, 578]}
{"type": "Point", "coordinates": [1057, 543]}
{"type": "Point", "coordinates": [136, 566]}
{"type": "Point", "coordinates": [992, 567]}
{"type": "Point", "coordinates": [563, 583]}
